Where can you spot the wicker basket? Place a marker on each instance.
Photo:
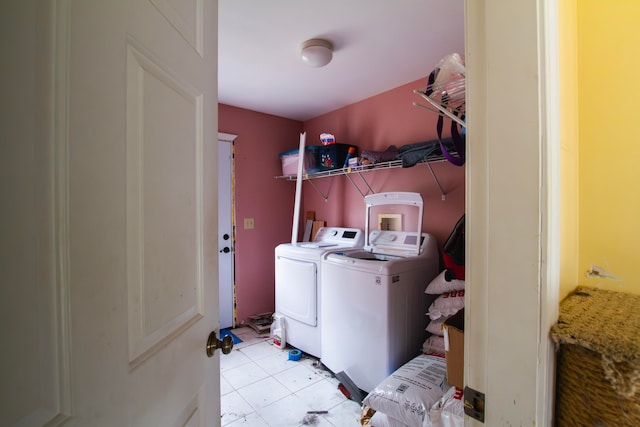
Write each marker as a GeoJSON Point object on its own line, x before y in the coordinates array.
{"type": "Point", "coordinates": [598, 371]}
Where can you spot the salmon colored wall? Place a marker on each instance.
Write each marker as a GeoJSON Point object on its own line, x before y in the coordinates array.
{"type": "Point", "coordinates": [568, 68]}
{"type": "Point", "coordinates": [374, 124]}
{"type": "Point", "coordinates": [609, 152]}
{"type": "Point", "coordinates": [258, 195]}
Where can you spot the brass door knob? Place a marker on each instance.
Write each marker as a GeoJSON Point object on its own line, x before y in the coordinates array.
{"type": "Point", "coordinates": [213, 343]}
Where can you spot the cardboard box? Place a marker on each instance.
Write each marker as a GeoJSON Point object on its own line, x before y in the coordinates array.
{"type": "Point", "coordinates": [453, 329]}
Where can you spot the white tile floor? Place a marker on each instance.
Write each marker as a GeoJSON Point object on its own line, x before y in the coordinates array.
{"type": "Point", "coordinates": [261, 387]}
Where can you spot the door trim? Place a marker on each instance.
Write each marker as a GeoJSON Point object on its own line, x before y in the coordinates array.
{"type": "Point", "coordinates": [60, 133]}
{"type": "Point", "coordinates": [512, 261]}
{"type": "Point", "coordinates": [550, 207]}
{"type": "Point", "coordinates": [230, 139]}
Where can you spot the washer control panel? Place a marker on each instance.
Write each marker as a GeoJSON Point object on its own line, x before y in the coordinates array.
{"type": "Point", "coordinates": [401, 243]}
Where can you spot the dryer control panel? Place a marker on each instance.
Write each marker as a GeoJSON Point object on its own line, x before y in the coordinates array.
{"type": "Point", "coordinates": [337, 236]}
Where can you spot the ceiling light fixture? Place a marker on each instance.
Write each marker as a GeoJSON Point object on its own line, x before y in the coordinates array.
{"type": "Point", "coordinates": [317, 52]}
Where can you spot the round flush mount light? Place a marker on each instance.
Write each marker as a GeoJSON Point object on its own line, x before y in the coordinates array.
{"type": "Point", "coordinates": [317, 52]}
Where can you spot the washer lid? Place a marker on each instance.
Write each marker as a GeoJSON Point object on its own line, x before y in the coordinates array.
{"type": "Point", "coordinates": [406, 242]}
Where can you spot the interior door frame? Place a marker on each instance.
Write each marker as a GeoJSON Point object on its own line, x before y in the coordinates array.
{"type": "Point", "coordinates": [227, 290]}
{"type": "Point", "coordinates": [513, 208]}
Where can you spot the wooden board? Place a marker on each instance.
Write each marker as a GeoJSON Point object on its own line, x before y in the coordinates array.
{"type": "Point", "coordinates": [306, 237]}
{"type": "Point", "coordinates": [315, 227]}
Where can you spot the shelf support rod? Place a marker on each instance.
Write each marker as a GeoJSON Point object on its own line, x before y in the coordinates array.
{"type": "Point", "coordinates": [435, 178]}
{"type": "Point", "coordinates": [366, 182]}
{"type": "Point", "coordinates": [354, 184]}
{"type": "Point", "coordinates": [326, 198]}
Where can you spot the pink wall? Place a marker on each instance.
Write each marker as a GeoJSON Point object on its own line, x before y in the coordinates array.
{"type": "Point", "coordinates": [372, 124]}
{"type": "Point", "coordinates": [258, 195]}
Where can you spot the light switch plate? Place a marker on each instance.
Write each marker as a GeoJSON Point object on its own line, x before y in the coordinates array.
{"type": "Point", "coordinates": [248, 223]}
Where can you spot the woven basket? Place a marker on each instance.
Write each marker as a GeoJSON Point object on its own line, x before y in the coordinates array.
{"type": "Point", "coordinates": [598, 371]}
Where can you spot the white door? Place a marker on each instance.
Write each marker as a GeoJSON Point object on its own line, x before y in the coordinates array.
{"type": "Point", "coordinates": [225, 229]}
{"type": "Point", "coordinates": [112, 287]}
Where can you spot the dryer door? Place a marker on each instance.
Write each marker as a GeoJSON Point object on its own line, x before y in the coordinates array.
{"type": "Point", "coordinates": [296, 289]}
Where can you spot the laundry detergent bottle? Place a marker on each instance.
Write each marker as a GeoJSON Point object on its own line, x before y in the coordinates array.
{"type": "Point", "coordinates": [278, 331]}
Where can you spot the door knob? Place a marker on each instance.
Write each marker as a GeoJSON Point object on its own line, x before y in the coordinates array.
{"type": "Point", "coordinates": [213, 343]}
{"type": "Point", "coordinates": [226, 250]}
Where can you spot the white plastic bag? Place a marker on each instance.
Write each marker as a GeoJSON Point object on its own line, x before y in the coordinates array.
{"type": "Point", "coordinates": [381, 419]}
{"type": "Point", "coordinates": [446, 304]}
{"type": "Point", "coordinates": [440, 284]}
{"type": "Point", "coordinates": [448, 87]}
{"type": "Point", "coordinates": [449, 410]}
{"type": "Point", "coordinates": [435, 326]}
{"type": "Point", "coordinates": [434, 344]}
{"type": "Point", "coordinates": [409, 393]}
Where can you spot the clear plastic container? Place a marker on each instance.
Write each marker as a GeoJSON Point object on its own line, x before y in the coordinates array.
{"type": "Point", "coordinates": [278, 331]}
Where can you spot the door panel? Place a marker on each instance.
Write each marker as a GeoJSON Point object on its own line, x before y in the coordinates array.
{"type": "Point", "coordinates": [164, 207]}
{"type": "Point", "coordinates": [115, 257]}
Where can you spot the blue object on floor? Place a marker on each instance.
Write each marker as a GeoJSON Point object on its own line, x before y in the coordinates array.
{"type": "Point", "coordinates": [295, 354]}
{"type": "Point", "coordinates": [225, 332]}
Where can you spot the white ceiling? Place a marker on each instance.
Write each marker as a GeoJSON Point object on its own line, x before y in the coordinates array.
{"type": "Point", "coordinates": [378, 45]}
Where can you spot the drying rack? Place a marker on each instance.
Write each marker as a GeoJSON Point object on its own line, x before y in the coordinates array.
{"type": "Point", "coordinates": [440, 108]}
{"type": "Point", "coordinates": [446, 90]}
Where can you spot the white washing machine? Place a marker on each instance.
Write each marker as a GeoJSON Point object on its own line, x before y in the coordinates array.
{"type": "Point", "coordinates": [297, 283]}
{"type": "Point", "coordinates": [373, 298]}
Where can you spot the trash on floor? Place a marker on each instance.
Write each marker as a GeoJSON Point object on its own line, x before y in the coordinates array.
{"type": "Point", "coordinates": [348, 387]}
{"type": "Point", "coordinates": [311, 418]}
{"type": "Point", "coordinates": [261, 322]}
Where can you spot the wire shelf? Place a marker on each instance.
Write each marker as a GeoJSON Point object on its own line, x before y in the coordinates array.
{"type": "Point", "coordinates": [359, 169]}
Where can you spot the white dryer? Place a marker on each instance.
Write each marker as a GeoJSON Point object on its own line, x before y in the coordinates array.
{"type": "Point", "coordinates": [373, 298]}
{"type": "Point", "coordinates": [297, 283]}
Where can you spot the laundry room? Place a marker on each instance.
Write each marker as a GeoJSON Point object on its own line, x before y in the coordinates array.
{"type": "Point", "coordinates": [415, 201]}
{"type": "Point", "coordinates": [339, 204]}
{"type": "Point", "coordinates": [110, 208]}
{"type": "Point", "coordinates": [377, 122]}
{"type": "Point", "coordinates": [387, 119]}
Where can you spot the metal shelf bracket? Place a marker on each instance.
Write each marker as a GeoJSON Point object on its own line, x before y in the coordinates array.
{"type": "Point", "coordinates": [325, 197]}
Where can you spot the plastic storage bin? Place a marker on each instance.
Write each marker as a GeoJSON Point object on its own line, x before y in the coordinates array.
{"type": "Point", "coordinates": [290, 161]}
{"type": "Point", "coordinates": [329, 157]}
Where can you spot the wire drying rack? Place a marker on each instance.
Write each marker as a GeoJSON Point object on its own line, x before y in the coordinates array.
{"type": "Point", "coordinates": [446, 96]}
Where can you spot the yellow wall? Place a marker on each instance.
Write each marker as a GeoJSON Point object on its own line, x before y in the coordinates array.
{"type": "Point", "coordinates": [608, 217]}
